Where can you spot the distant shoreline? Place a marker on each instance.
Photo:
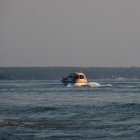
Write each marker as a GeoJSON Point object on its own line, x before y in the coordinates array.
{"type": "Point", "coordinates": [55, 73]}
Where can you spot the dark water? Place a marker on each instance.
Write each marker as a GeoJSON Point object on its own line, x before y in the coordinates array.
{"type": "Point", "coordinates": [46, 110]}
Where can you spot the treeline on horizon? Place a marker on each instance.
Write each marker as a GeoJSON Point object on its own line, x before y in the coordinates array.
{"type": "Point", "coordinates": [55, 73]}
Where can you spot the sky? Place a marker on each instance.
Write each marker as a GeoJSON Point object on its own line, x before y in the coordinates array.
{"type": "Point", "coordinates": [85, 33]}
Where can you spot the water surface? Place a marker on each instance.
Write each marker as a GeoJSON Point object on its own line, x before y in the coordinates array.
{"type": "Point", "coordinates": [41, 110]}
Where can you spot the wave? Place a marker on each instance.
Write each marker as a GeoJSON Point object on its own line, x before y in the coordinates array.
{"type": "Point", "coordinates": [43, 109]}
{"type": "Point", "coordinates": [127, 105]}
{"type": "Point", "coordinates": [26, 110]}
{"type": "Point", "coordinates": [11, 122]}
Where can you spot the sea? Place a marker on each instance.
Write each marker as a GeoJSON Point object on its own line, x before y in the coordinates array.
{"type": "Point", "coordinates": [48, 110]}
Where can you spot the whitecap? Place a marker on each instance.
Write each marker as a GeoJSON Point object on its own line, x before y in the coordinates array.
{"type": "Point", "coordinates": [69, 85]}
{"type": "Point", "coordinates": [93, 84]}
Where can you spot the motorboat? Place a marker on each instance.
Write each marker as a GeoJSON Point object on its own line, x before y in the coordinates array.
{"type": "Point", "coordinates": [76, 78]}
{"type": "Point", "coordinates": [79, 79]}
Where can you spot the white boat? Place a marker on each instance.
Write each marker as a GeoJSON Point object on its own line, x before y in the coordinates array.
{"type": "Point", "coordinates": [79, 79]}
{"type": "Point", "coordinates": [76, 78]}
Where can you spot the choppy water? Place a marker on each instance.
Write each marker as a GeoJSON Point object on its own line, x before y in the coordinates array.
{"type": "Point", "coordinates": [47, 110]}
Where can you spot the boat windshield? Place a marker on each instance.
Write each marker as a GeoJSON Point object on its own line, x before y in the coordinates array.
{"type": "Point", "coordinates": [79, 77]}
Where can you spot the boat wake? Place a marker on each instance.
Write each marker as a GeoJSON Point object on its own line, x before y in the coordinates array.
{"type": "Point", "coordinates": [93, 84]}
{"type": "Point", "coordinates": [90, 84]}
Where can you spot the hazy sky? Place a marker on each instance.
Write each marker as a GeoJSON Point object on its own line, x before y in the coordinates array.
{"type": "Point", "coordinates": [70, 33]}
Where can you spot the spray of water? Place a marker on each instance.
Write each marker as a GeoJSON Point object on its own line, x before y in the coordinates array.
{"type": "Point", "coordinates": [90, 84]}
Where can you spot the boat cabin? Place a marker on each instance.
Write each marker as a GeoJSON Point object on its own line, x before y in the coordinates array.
{"type": "Point", "coordinates": [77, 78]}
